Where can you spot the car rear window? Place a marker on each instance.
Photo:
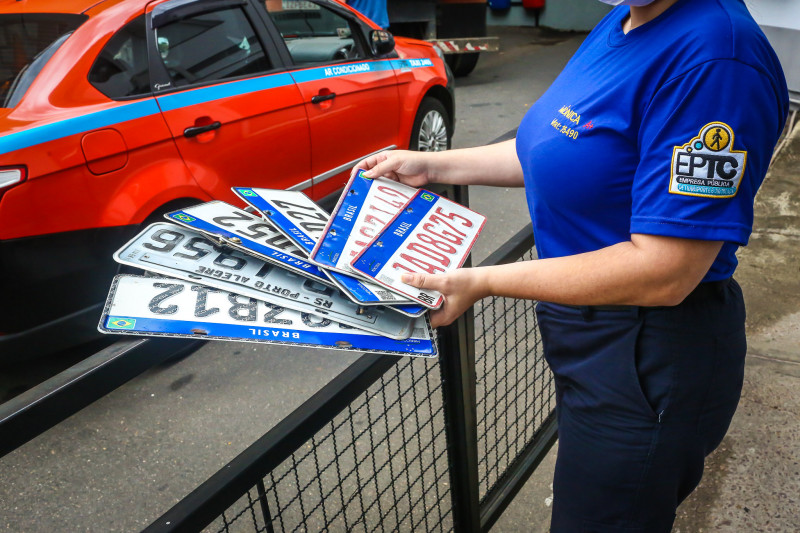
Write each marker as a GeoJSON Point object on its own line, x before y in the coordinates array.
{"type": "Point", "coordinates": [27, 42]}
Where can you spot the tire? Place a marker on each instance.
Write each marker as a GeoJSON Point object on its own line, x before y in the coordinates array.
{"type": "Point", "coordinates": [462, 64]}
{"type": "Point", "coordinates": [432, 131]}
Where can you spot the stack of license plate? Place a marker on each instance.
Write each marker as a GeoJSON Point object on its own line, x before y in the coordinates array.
{"type": "Point", "coordinates": [293, 274]}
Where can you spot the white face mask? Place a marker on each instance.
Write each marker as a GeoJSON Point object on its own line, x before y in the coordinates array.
{"type": "Point", "coordinates": [636, 3]}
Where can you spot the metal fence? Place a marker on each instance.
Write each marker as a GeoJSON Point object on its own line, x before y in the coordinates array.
{"type": "Point", "coordinates": [515, 393]}
{"type": "Point", "coordinates": [378, 464]}
{"type": "Point", "coordinates": [390, 444]}
{"type": "Point", "coordinates": [399, 444]}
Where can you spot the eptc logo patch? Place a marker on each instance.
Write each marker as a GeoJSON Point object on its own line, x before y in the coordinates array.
{"type": "Point", "coordinates": [708, 166]}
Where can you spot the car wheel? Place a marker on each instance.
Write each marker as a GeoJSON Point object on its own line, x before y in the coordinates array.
{"type": "Point", "coordinates": [462, 64]}
{"type": "Point", "coordinates": [432, 131]}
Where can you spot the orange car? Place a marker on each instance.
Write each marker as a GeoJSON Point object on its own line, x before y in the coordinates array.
{"type": "Point", "coordinates": [115, 111]}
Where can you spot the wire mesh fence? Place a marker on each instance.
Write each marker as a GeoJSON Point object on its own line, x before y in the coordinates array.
{"type": "Point", "coordinates": [515, 392]}
{"type": "Point", "coordinates": [379, 465]}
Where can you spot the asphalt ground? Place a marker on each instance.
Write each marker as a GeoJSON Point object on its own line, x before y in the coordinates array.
{"type": "Point", "coordinates": [124, 460]}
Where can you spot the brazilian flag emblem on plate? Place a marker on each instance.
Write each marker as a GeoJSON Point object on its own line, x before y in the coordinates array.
{"type": "Point", "coordinates": [184, 217]}
{"type": "Point", "coordinates": [114, 322]}
{"type": "Point", "coordinates": [247, 192]}
{"type": "Point", "coordinates": [428, 197]}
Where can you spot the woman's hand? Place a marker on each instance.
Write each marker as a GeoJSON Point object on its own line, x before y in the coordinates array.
{"type": "Point", "coordinates": [405, 166]}
{"type": "Point", "coordinates": [461, 288]}
{"type": "Point", "coordinates": [495, 165]}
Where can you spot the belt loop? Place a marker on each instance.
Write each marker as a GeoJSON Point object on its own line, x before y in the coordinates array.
{"type": "Point", "coordinates": [587, 312]}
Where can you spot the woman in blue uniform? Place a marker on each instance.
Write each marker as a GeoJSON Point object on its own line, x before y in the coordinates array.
{"type": "Point", "coordinates": [640, 166]}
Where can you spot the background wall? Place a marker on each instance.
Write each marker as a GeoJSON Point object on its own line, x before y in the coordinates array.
{"type": "Point", "coordinates": [777, 13]}
{"type": "Point", "coordinates": [780, 20]}
{"type": "Point", "coordinates": [578, 15]}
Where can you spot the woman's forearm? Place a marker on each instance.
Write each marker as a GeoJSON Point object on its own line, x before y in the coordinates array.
{"type": "Point", "coordinates": [494, 165]}
{"type": "Point", "coordinates": [647, 271]}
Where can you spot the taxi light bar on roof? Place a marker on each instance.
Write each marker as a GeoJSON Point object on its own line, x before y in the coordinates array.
{"type": "Point", "coordinates": [10, 177]}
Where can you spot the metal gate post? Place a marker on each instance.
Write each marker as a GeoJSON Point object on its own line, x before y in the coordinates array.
{"type": "Point", "coordinates": [457, 361]}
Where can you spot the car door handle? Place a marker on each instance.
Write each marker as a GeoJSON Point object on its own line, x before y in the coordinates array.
{"type": "Point", "coordinates": [322, 97]}
{"type": "Point", "coordinates": [194, 131]}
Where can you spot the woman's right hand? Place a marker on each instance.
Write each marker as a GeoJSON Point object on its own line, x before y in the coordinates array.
{"type": "Point", "coordinates": [408, 167]}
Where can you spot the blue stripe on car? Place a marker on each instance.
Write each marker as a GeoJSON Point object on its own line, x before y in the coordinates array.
{"type": "Point", "coordinates": [333, 71]}
{"type": "Point", "coordinates": [71, 126]}
{"type": "Point", "coordinates": [135, 110]}
{"type": "Point", "coordinates": [178, 100]}
{"type": "Point", "coordinates": [412, 63]}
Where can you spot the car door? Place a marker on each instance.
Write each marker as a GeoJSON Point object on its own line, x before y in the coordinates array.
{"type": "Point", "coordinates": [351, 98]}
{"type": "Point", "coordinates": [237, 117]}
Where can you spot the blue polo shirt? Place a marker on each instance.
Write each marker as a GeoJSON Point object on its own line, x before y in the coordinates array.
{"type": "Point", "coordinates": [666, 130]}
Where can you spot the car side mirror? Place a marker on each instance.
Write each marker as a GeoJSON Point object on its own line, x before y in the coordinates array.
{"type": "Point", "coordinates": [381, 42]}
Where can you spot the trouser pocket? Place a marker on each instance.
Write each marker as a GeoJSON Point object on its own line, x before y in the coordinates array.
{"type": "Point", "coordinates": [594, 359]}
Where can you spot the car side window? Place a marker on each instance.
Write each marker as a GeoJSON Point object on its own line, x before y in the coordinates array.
{"type": "Point", "coordinates": [210, 46]}
{"type": "Point", "coordinates": [314, 33]}
{"type": "Point", "coordinates": [121, 68]}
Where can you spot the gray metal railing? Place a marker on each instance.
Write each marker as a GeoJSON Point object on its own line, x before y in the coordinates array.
{"type": "Point", "coordinates": [392, 443]}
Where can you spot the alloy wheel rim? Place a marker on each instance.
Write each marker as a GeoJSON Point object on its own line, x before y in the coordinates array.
{"type": "Point", "coordinates": [432, 133]}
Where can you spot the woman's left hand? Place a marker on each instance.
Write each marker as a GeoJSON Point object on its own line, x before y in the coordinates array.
{"type": "Point", "coordinates": [461, 288]}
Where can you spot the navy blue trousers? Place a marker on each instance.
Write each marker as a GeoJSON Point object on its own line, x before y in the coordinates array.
{"type": "Point", "coordinates": [643, 394]}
